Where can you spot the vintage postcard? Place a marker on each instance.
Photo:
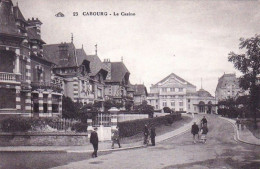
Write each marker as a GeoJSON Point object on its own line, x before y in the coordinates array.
{"type": "Point", "coordinates": [149, 84]}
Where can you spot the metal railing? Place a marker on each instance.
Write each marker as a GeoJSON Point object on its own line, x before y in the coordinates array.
{"type": "Point", "coordinates": [46, 85]}
{"type": "Point", "coordinates": [102, 119]}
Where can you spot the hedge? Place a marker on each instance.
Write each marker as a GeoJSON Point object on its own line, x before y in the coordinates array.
{"type": "Point", "coordinates": [25, 124]}
{"type": "Point", "coordinates": [235, 112]}
{"type": "Point", "coordinates": [14, 124]}
{"type": "Point", "coordinates": [130, 128]}
{"type": "Point", "coordinates": [79, 127]}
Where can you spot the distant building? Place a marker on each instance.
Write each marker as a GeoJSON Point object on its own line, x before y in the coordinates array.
{"type": "Point", "coordinates": [117, 81]}
{"type": "Point", "coordinates": [140, 93]}
{"type": "Point", "coordinates": [82, 75]}
{"type": "Point", "coordinates": [26, 87]}
{"type": "Point", "coordinates": [180, 95]}
{"type": "Point", "coordinates": [227, 87]}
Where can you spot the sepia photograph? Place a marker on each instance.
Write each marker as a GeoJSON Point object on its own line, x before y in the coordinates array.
{"type": "Point", "coordinates": [130, 84]}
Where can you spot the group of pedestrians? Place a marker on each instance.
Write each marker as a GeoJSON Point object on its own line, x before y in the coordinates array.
{"type": "Point", "coordinates": [147, 133]}
{"type": "Point", "coordinates": [195, 130]}
{"type": "Point", "coordinates": [200, 132]}
{"type": "Point", "coordinates": [116, 138]}
{"type": "Point", "coordinates": [94, 140]}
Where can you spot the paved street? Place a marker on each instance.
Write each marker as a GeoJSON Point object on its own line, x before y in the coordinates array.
{"type": "Point", "coordinates": [220, 151]}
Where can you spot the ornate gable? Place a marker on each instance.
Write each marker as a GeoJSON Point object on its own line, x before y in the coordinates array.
{"type": "Point", "coordinates": [172, 81]}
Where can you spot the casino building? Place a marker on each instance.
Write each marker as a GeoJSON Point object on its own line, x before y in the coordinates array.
{"type": "Point", "coordinates": [180, 95]}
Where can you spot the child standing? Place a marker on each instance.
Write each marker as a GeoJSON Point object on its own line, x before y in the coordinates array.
{"type": "Point", "coordinates": [204, 132]}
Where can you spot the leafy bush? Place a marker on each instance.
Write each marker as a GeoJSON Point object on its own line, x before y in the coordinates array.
{"type": "Point", "coordinates": [144, 108]}
{"type": "Point", "coordinates": [128, 105]}
{"type": "Point", "coordinates": [235, 112]}
{"type": "Point", "coordinates": [170, 120]}
{"type": "Point", "coordinates": [167, 110]}
{"type": "Point", "coordinates": [70, 109]}
{"type": "Point", "coordinates": [130, 128]}
{"type": "Point", "coordinates": [16, 124]}
{"type": "Point", "coordinates": [80, 127]}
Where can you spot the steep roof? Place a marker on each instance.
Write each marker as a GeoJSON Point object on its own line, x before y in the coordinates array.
{"type": "Point", "coordinates": [178, 77]}
{"type": "Point", "coordinates": [81, 56]}
{"type": "Point", "coordinates": [227, 79]}
{"type": "Point", "coordinates": [76, 57]}
{"type": "Point", "coordinates": [139, 89]}
{"type": "Point", "coordinates": [203, 93]}
{"type": "Point", "coordinates": [95, 64]}
{"type": "Point", "coordinates": [18, 14]}
{"type": "Point", "coordinates": [118, 72]}
{"type": "Point", "coordinates": [51, 53]}
{"type": "Point", "coordinates": [7, 19]}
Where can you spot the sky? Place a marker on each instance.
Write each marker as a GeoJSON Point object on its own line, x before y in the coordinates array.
{"type": "Point", "coordinates": [189, 38]}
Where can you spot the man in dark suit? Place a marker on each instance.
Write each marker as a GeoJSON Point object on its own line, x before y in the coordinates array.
{"type": "Point", "coordinates": [195, 131]}
{"type": "Point", "coordinates": [94, 141]}
{"type": "Point", "coordinates": [153, 134]}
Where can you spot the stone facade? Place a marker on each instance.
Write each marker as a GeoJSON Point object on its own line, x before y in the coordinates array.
{"type": "Point", "coordinates": [140, 93]}
{"type": "Point", "coordinates": [228, 87]}
{"type": "Point", "coordinates": [25, 75]}
{"type": "Point", "coordinates": [180, 95]}
{"type": "Point", "coordinates": [82, 78]}
{"type": "Point", "coordinates": [117, 81]}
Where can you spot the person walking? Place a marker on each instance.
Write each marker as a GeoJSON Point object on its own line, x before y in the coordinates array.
{"type": "Point", "coordinates": [204, 121]}
{"type": "Point", "coordinates": [238, 122]}
{"type": "Point", "coordinates": [204, 131]}
{"type": "Point", "coordinates": [146, 134]}
{"type": "Point", "coordinates": [94, 141]}
{"type": "Point", "coordinates": [115, 138]}
{"type": "Point", "coordinates": [153, 134]}
{"type": "Point", "coordinates": [195, 131]}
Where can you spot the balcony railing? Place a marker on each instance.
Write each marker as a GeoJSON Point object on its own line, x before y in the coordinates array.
{"type": "Point", "coordinates": [9, 77]}
{"type": "Point", "coordinates": [46, 85]}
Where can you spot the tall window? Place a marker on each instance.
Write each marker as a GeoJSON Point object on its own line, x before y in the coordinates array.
{"type": "Point", "coordinates": [172, 89]}
{"type": "Point", "coordinates": [23, 69]}
{"type": "Point", "coordinates": [164, 104]}
{"type": "Point", "coordinates": [164, 89]}
{"type": "Point", "coordinates": [172, 103]}
{"type": "Point", "coordinates": [181, 103]}
{"type": "Point", "coordinates": [180, 89]}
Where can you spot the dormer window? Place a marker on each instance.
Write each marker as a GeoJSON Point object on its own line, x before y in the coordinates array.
{"type": "Point", "coordinates": [39, 77]}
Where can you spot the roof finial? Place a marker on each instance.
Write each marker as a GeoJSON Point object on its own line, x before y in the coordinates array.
{"type": "Point", "coordinates": [201, 83]}
{"type": "Point", "coordinates": [71, 37]}
{"type": "Point", "coordinates": [96, 48]}
{"type": "Point", "coordinates": [17, 3]}
{"type": "Point", "coordinates": [82, 46]}
{"type": "Point", "coordinates": [122, 58]}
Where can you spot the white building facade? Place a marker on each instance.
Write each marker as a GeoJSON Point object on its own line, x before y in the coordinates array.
{"type": "Point", "coordinates": [180, 95]}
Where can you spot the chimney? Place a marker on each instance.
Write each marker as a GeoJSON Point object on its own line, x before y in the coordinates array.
{"type": "Point", "coordinates": [107, 64]}
{"type": "Point", "coordinates": [63, 53]}
{"type": "Point", "coordinates": [36, 24]}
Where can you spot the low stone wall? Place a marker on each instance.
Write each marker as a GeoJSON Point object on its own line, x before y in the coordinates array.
{"type": "Point", "coordinates": [43, 139]}
{"type": "Point", "coordinates": [129, 117]}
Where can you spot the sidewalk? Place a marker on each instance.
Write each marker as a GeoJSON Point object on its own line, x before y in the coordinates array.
{"type": "Point", "coordinates": [103, 146]}
{"type": "Point", "coordinates": [244, 136]}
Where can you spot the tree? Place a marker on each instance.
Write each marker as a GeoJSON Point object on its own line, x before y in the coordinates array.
{"type": "Point", "coordinates": [249, 64]}
{"type": "Point", "coordinates": [167, 110]}
{"type": "Point", "coordinates": [144, 108]}
{"type": "Point", "coordinates": [108, 104]}
{"type": "Point", "coordinates": [69, 108]}
{"type": "Point", "coordinates": [128, 105]}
